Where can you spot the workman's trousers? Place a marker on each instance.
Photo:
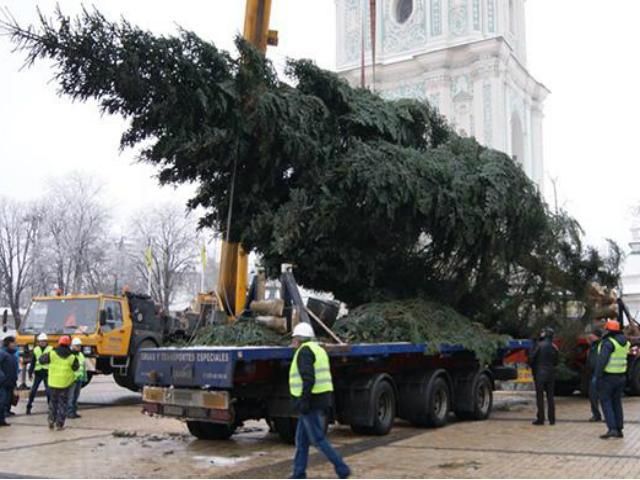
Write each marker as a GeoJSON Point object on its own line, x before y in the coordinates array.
{"type": "Point", "coordinates": [545, 386]}
{"type": "Point", "coordinates": [74, 394]}
{"type": "Point", "coordinates": [5, 402]}
{"type": "Point", "coordinates": [41, 376]}
{"type": "Point", "coordinates": [593, 398]}
{"type": "Point", "coordinates": [58, 404]}
{"type": "Point", "coordinates": [610, 390]}
{"type": "Point", "coordinates": [310, 431]}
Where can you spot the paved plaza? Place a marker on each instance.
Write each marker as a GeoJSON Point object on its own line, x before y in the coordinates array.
{"type": "Point", "coordinates": [113, 439]}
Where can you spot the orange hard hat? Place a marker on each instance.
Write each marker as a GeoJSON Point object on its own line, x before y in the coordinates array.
{"type": "Point", "coordinates": [65, 341]}
{"type": "Point", "coordinates": [612, 325]}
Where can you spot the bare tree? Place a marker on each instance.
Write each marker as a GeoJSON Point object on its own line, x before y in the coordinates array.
{"type": "Point", "coordinates": [19, 226]}
{"type": "Point", "coordinates": [76, 233]}
{"type": "Point", "coordinates": [171, 235]}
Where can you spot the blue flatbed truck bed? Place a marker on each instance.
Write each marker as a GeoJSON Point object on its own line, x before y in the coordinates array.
{"type": "Point", "coordinates": [215, 389]}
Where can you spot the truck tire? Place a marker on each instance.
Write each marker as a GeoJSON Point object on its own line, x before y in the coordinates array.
{"type": "Point", "coordinates": [210, 431]}
{"type": "Point", "coordinates": [481, 397]}
{"type": "Point", "coordinates": [128, 381]}
{"type": "Point", "coordinates": [89, 377]}
{"type": "Point", "coordinates": [633, 380]}
{"type": "Point", "coordinates": [286, 428]}
{"type": "Point", "coordinates": [124, 381]}
{"type": "Point", "coordinates": [438, 404]}
{"type": "Point", "coordinates": [383, 399]}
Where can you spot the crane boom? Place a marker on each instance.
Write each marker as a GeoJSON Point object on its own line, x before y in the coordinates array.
{"type": "Point", "coordinates": [234, 261]}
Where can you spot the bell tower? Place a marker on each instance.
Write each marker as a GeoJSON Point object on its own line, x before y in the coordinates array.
{"type": "Point", "coordinates": [468, 58]}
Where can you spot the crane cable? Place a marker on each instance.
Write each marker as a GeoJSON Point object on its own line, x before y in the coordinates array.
{"type": "Point", "coordinates": [229, 217]}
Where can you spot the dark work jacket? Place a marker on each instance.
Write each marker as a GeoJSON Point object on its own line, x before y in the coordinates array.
{"type": "Point", "coordinates": [8, 369]}
{"type": "Point", "coordinates": [606, 351]}
{"type": "Point", "coordinates": [592, 357]}
{"type": "Point", "coordinates": [543, 360]}
{"type": "Point", "coordinates": [321, 401]}
{"type": "Point", "coordinates": [63, 352]}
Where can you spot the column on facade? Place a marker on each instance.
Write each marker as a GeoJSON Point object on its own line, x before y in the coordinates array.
{"type": "Point", "coordinates": [537, 116]}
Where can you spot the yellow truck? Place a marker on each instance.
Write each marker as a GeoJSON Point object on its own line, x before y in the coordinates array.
{"type": "Point", "coordinates": [113, 329]}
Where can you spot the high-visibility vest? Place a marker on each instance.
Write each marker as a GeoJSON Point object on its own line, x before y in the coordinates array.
{"type": "Point", "coordinates": [61, 374]}
{"type": "Point", "coordinates": [618, 360]}
{"type": "Point", "coordinates": [322, 370]}
{"type": "Point", "coordinates": [81, 372]}
{"type": "Point", "coordinates": [37, 353]}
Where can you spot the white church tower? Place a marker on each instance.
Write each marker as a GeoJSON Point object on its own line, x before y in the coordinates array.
{"type": "Point", "coordinates": [466, 57]}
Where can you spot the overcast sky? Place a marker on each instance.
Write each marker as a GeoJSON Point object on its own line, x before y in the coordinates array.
{"type": "Point", "coordinates": [582, 50]}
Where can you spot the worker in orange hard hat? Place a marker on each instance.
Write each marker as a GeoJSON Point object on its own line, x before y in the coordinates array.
{"type": "Point", "coordinates": [611, 377]}
{"type": "Point", "coordinates": [62, 365]}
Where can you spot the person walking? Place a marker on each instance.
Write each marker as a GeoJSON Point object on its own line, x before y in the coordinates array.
{"type": "Point", "coordinates": [311, 387]}
{"type": "Point", "coordinates": [38, 372]}
{"type": "Point", "coordinates": [611, 377]}
{"type": "Point", "coordinates": [8, 376]}
{"type": "Point", "coordinates": [543, 361]}
{"type": "Point", "coordinates": [592, 360]}
{"type": "Point", "coordinates": [80, 379]}
{"type": "Point", "coordinates": [62, 366]}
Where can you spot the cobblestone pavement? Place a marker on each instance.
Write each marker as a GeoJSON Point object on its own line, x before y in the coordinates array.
{"type": "Point", "coordinates": [112, 439]}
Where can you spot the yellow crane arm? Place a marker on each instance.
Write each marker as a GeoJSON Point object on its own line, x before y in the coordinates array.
{"type": "Point", "coordinates": [234, 261]}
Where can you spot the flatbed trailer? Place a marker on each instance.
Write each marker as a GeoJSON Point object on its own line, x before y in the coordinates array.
{"type": "Point", "coordinates": [215, 389]}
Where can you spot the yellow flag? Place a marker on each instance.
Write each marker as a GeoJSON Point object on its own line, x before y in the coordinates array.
{"type": "Point", "coordinates": [148, 257]}
{"type": "Point", "coordinates": [203, 257]}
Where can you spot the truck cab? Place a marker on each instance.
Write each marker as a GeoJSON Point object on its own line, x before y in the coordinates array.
{"type": "Point", "coordinates": [112, 329]}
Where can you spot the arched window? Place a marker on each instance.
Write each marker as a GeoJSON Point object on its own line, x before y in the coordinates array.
{"type": "Point", "coordinates": [403, 10]}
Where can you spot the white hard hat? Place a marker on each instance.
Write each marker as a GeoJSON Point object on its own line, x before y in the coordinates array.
{"type": "Point", "coordinates": [303, 329]}
{"type": "Point", "coordinates": [76, 341]}
{"type": "Point", "coordinates": [43, 337]}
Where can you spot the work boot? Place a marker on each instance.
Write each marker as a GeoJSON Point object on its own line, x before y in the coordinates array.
{"type": "Point", "coordinates": [537, 422]}
{"type": "Point", "coordinates": [346, 474]}
{"type": "Point", "coordinates": [609, 434]}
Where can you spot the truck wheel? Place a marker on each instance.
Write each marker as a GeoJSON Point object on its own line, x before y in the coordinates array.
{"type": "Point", "coordinates": [438, 403]}
{"type": "Point", "coordinates": [633, 381]}
{"type": "Point", "coordinates": [89, 377]}
{"type": "Point", "coordinates": [210, 431]}
{"type": "Point", "coordinates": [286, 428]}
{"type": "Point", "coordinates": [128, 381]}
{"type": "Point", "coordinates": [124, 381]}
{"type": "Point", "coordinates": [383, 398]}
{"type": "Point", "coordinates": [482, 398]}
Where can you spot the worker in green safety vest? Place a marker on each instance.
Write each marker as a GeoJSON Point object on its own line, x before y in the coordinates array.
{"type": "Point", "coordinates": [81, 379]}
{"type": "Point", "coordinates": [62, 367]}
{"type": "Point", "coordinates": [611, 377]}
{"type": "Point", "coordinates": [38, 373]}
{"type": "Point", "coordinates": [311, 387]}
